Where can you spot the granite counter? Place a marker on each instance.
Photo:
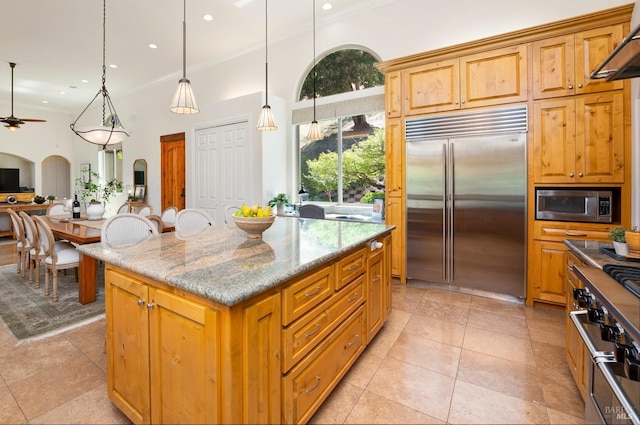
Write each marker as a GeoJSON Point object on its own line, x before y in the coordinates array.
{"type": "Point", "coordinates": [597, 254]}
{"type": "Point", "coordinates": [221, 264]}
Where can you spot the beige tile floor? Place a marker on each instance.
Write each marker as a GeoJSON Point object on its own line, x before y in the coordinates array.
{"type": "Point", "coordinates": [442, 357]}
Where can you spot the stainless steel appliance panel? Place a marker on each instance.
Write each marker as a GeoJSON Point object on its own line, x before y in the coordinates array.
{"type": "Point", "coordinates": [466, 212]}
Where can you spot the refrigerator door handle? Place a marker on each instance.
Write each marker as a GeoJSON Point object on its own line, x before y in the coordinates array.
{"type": "Point", "coordinates": [444, 212]}
{"type": "Point", "coordinates": [450, 210]}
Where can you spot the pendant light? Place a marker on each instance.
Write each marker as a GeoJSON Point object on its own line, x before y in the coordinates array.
{"type": "Point", "coordinates": [266, 121]}
{"type": "Point", "coordinates": [314, 129]}
{"type": "Point", "coordinates": [110, 130]}
{"type": "Point", "coordinates": [184, 102]}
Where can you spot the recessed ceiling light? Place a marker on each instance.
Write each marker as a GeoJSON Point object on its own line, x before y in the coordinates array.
{"type": "Point", "coordinates": [62, 92]}
{"type": "Point", "coordinates": [207, 17]}
{"type": "Point", "coordinates": [153, 46]}
{"type": "Point", "coordinates": [45, 101]}
{"type": "Point", "coordinates": [241, 3]}
{"type": "Point", "coordinates": [327, 6]}
{"type": "Point", "coordinates": [85, 81]}
{"type": "Point", "coordinates": [114, 66]}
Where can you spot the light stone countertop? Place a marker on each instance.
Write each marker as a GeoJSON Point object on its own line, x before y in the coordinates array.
{"type": "Point", "coordinates": [221, 264]}
{"type": "Point", "coordinates": [591, 252]}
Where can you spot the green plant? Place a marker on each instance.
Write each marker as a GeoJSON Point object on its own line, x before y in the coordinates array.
{"type": "Point", "coordinates": [369, 197]}
{"type": "Point", "coordinates": [279, 199]}
{"type": "Point", "coordinates": [93, 190]}
{"type": "Point", "coordinates": [51, 197]}
{"type": "Point", "coordinates": [617, 234]}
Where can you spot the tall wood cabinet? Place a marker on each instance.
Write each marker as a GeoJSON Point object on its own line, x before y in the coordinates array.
{"type": "Point", "coordinates": [579, 129]}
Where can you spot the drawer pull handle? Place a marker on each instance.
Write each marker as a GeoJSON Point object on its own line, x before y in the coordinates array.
{"type": "Point", "coordinates": [350, 343]}
{"type": "Point", "coordinates": [375, 279]}
{"type": "Point", "coordinates": [570, 233]}
{"type": "Point", "coordinates": [311, 294]}
{"type": "Point", "coordinates": [308, 390]}
{"type": "Point", "coordinates": [318, 326]}
{"type": "Point", "coordinates": [356, 295]}
{"type": "Point", "coordinates": [355, 267]}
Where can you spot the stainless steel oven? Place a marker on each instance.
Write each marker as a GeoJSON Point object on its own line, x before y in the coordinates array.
{"type": "Point", "coordinates": [574, 205]}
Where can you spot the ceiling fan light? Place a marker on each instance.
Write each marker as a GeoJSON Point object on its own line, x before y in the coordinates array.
{"type": "Point", "coordinates": [184, 102]}
{"type": "Point", "coordinates": [12, 128]}
{"type": "Point", "coordinates": [266, 122]}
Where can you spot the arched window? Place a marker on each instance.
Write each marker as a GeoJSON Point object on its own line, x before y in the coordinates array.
{"type": "Point", "coordinates": [348, 164]}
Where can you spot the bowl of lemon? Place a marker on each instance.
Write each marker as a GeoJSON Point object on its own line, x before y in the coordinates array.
{"type": "Point", "coordinates": [254, 220]}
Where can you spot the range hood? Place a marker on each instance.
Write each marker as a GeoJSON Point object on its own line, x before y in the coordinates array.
{"type": "Point", "coordinates": [623, 62]}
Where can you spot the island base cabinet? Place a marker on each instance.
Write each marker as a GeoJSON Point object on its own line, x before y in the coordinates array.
{"type": "Point", "coordinates": [163, 356]}
{"type": "Point", "coordinates": [311, 381]}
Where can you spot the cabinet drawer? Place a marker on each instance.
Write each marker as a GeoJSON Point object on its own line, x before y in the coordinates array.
{"type": "Point", "coordinates": [307, 332]}
{"type": "Point", "coordinates": [306, 293]}
{"type": "Point", "coordinates": [556, 233]}
{"type": "Point", "coordinates": [309, 383]}
{"type": "Point", "coordinates": [349, 267]}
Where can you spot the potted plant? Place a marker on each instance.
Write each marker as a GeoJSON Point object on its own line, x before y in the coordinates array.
{"type": "Point", "coordinates": [632, 238]}
{"type": "Point", "coordinates": [617, 235]}
{"type": "Point", "coordinates": [51, 198]}
{"type": "Point", "coordinates": [279, 201]}
{"type": "Point", "coordinates": [94, 194]}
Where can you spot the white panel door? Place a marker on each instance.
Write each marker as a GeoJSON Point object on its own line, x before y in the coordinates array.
{"type": "Point", "coordinates": [223, 171]}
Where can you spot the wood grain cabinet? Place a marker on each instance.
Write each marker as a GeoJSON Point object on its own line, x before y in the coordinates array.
{"type": "Point", "coordinates": [482, 79]}
{"type": "Point", "coordinates": [394, 193]}
{"type": "Point", "coordinates": [562, 65]}
{"type": "Point", "coordinates": [575, 347]}
{"type": "Point", "coordinates": [393, 94]}
{"type": "Point", "coordinates": [547, 266]}
{"type": "Point", "coordinates": [579, 140]}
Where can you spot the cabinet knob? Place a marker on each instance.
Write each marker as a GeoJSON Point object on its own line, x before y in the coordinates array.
{"type": "Point", "coordinates": [571, 175]}
{"type": "Point", "coordinates": [570, 86]}
{"type": "Point", "coordinates": [141, 301]}
{"type": "Point", "coordinates": [579, 86]}
{"type": "Point", "coordinates": [463, 102]}
{"type": "Point", "coordinates": [580, 175]}
{"type": "Point", "coordinates": [151, 305]}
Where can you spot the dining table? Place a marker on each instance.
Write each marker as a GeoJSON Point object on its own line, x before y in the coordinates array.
{"type": "Point", "coordinates": [83, 231]}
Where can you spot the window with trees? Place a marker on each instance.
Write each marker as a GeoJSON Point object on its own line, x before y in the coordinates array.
{"type": "Point", "coordinates": [348, 164]}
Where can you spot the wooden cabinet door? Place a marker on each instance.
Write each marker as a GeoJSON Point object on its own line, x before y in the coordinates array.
{"type": "Point", "coordinates": [592, 47]}
{"type": "Point", "coordinates": [553, 67]}
{"type": "Point", "coordinates": [184, 357]}
{"type": "Point", "coordinates": [387, 275]}
{"type": "Point", "coordinates": [393, 94]}
{"type": "Point", "coordinates": [395, 215]}
{"type": "Point", "coordinates": [128, 346]}
{"type": "Point", "coordinates": [375, 293]}
{"type": "Point", "coordinates": [554, 159]}
{"type": "Point", "coordinates": [434, 87]}
{"type": "Point", "coordinates": [495, 77]}
{"type": "Point", "coordinates": [395, 151]}
{"type": "Point", "coordinates": [599, 145]}
{"type": "Point", "coordinates": [549, 271]}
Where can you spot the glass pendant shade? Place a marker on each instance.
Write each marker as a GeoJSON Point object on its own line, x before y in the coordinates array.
{"type": "Point", "coordinates": [266, 121]}
{"type": "Point", "coordinates": [184, 102]}
{"type": "Point", "coordinates": [102, 135]}
{"type": "Point", "coordinates": [314, 131]}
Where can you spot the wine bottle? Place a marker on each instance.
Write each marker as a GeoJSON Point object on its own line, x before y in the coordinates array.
{"type": "Point", "coordinates": [76, 207]}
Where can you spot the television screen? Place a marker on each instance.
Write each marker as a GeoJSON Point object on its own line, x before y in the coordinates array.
{"type": "Point", "coordinates": [9, 180]}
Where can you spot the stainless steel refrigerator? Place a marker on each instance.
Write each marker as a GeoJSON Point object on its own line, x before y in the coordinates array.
{"type": "Point", "coordinates": [466, 187]}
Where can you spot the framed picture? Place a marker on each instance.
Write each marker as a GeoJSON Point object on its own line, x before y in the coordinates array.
{"type": "Point", "coordinates": [85, 170]}
{"type": "Point", "coordinates": [139, 193]}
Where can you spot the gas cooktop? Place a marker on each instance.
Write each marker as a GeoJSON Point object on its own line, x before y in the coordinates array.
{"type": "Point", "coordinates": [628, 276]}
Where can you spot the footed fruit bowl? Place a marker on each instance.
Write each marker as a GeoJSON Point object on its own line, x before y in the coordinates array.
{"type": "Point", "coordinates": [254, 226]}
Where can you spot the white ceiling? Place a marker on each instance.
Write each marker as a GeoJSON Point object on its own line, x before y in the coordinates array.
{"type": "Point", "coordinates": [58, 43]}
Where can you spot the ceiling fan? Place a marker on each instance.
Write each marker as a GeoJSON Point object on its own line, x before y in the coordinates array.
{"type": "Point", "coordinates": [13, 123]}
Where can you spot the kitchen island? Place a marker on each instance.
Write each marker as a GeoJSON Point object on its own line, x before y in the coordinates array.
{"type": "Point", "coordinates": [212, 327]}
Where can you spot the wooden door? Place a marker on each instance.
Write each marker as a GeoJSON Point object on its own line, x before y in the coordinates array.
{"type": "Point", "coordinates": [173, 170]}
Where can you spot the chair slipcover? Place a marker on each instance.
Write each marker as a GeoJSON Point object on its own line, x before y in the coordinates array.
{"type": "Point", "coordinates": [126, 229]}
{"type": "Point", "coordinates": [57, 209]}
{"type": "Point", "coordinates": [190, 219]}
{"type": "Point", "coordinates": [169, 214]}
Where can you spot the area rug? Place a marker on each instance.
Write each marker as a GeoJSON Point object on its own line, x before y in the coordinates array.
{"type": "Point", "coordinates": [28, 313]}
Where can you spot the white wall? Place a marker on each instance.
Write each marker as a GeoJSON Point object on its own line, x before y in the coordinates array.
{"type": "Point", "coordinates": [389, 28]}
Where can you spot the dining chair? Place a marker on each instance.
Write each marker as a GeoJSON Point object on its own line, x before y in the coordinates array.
{"type": "Point", "coordinates": [145, 210]}
{"type": "Point", "coordinates": [156, 221]}
{"type": "Point", "coordinates": [21, 243]}
{"type": "Point", "coordinates": [169, 215]}
{"type": "Point", "coordinates": [192, 219]}
{"type": "Point", "coordinates": [311, 211]}
{"type": "Point", "coordinates": [54, 257]}
{"type": "Point", "coordinates": [122, 209]}
{"type": "Point", "coordinates": [57, 209]}
{"type": "Point", "coordinates": [126, 229]}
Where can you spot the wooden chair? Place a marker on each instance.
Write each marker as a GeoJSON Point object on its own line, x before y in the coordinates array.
{"type": "Point", "coordinates": [126, 229]}
{"type": "Point", "coordinates": [36, 253]}
{"type": "Point", "coordinates": [145, 210]}
{"type": "Point", "coordinates": [123, 209]}
{"type": "Point", "coordinates": [311, 211]}
{"type": "Point", "coordinates": [169, 215]}
{"type": "Point", "coordinates": [190, 219]}
{"type": "Point", "coordinates": [57, 209]}
{"type": "Point", "coordinates": [156, 221]}
{"type": "Point", "coordinates": [54, 257]}
{"type": "Point", "coordinates": [22, 247]}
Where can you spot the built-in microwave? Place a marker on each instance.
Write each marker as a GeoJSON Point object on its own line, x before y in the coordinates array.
{"type": "Point", "coordinates": [574, 205]}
